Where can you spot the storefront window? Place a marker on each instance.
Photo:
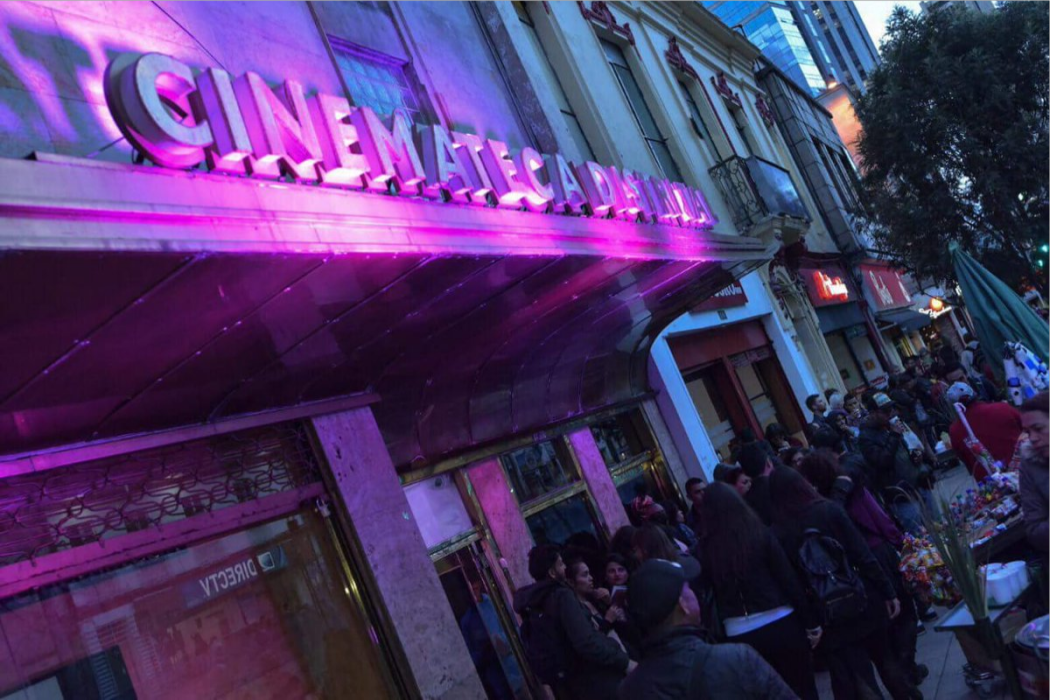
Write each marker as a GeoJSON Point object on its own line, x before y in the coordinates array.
{"type": "Point", "coordinates": [622, 437]}
{"type": "Point", "coordinates": [558, 522]}
{"type": "Point", "coordinates": [538, 469]}
{"type": "Point", "coordinates": [262, 613]}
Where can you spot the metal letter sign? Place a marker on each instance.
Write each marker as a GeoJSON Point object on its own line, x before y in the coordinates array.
{"type": "Point", "coordinates": [179, 119]}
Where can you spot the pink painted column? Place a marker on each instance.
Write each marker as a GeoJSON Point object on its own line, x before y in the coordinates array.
{"type": "Point", "coordinates": [598, 479]}
{"type": "Point", "coordinates": [368, 487]}
{"type": "Point", "coordinates": [504, 518]}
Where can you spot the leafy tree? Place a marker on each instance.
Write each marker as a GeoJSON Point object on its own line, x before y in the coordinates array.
{"type": "Point", "coordinates": [955, 143]}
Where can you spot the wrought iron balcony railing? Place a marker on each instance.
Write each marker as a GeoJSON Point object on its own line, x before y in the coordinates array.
{"type": "Point", "coordinates": [757, 191]}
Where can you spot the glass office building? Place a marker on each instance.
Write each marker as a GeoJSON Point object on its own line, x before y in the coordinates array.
{"type": "Point", "coordinates": [773, 28]}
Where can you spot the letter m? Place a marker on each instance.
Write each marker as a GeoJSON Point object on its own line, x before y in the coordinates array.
{"type": "Point", "coordinates": [391, 153]}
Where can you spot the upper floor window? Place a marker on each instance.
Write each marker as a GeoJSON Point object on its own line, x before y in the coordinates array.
{"type": "Point", "coordinates": [376, 80]}
{"type": "Point", "coordinates": [697, 118]}
{"type": "Point", "coordinates": [740, 122]}
{"type": "Point", "coordinates": [550, 79]}
{"type": "Point", "coordinates": [642, 114]}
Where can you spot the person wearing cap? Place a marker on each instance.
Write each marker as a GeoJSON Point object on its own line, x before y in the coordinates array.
{"type": "Point", "coordinates": [597, 661]}
{"type": "Point", "coordinates": [893, 469]}
{"type": "Point", "coordinates": [995, 424]}
{"type": "Point", "coordinates": [676, 661]}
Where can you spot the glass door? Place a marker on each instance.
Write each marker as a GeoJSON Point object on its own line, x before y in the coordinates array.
{"type": "Point", "coordinates": [483, 621]}
{"type": "Point", "coordinates": [270, 611]}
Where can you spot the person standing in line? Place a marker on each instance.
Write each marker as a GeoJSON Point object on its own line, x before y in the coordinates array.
{"type": "Point", "coordinates": [995, 424]}
{"type": "Point", "coordinates": [676, 660]}
{"type": "Point", "coordinates": [817, 405]}
{"type": "Point", "coordinates": [834, 399]}
{"type": "Point", "coordinates": [779, 439]}
{"type": "Point", "coordinates": [586, 664]}
{"type": "Point", "coordinates": [676, 521]}
{"type": "Point", "coordinates": [757, 465]}
{"type": "Point", "coordinates": [1035, 477]}
{"type": "Point", "coordinates": [895, 471]}
{"type": "Point", "coordinates": [694, 491]}
{"type": "Point", "coordinates": [740, 481]}
{"type": "Point", "coordinates": [843, 482]}
{"type": "Point", "coordinates": [759, 596]}
{"type": "Point", "coordinates": [854, 410]}
{"type": "Point", "coordinates": [852, 644]}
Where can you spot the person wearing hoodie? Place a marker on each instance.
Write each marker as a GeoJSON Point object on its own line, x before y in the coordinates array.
{"type": "Point", "coordinates": [595, 663]}
{"type": "Point", "coordinates": [677, 663]}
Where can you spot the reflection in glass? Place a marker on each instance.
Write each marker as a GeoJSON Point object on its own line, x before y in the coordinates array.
{"type": "Point", "coordinates": [556, 523]}
{"type": "Point", "coordinates": [621, 437]}
{"type": "Point", "coordinates": [262, 613]}
{"type": "Point", "coordinates": [537, 469]}
{"type": "Point", "coordinates": [471, 597]}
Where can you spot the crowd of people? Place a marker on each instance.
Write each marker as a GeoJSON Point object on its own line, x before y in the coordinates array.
{"type": "Point", "coordinates": [787, 561]}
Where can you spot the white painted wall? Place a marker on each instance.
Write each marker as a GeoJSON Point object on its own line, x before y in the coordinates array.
{"type": "Point", "coordinates": [677, 407]}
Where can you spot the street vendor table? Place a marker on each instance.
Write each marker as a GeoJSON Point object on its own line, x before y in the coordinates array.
{"type": "Point", "coordinates": [1003, 543]}
{"type": "Point", "coordinates": [988, 634]}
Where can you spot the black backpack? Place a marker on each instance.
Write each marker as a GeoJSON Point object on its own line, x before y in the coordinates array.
{"type": "Point", "coordinates": [838, 589]}
{"type": "Point", "coordinates": [546, 647]}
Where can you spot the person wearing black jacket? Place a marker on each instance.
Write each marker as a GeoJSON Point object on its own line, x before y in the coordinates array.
{"type": "Point", "coordinates": [757, 464]}
{"type": "Point", "coordinates": [759, 595]}
{"type": "Point", "coordinates": [849, 647]}
{"type": "Point", "coordinates": [598, 663]}
{"type": "Point", "coordinates": [677, 662]}
{"type": "Point", "coordinates": [894, 472]}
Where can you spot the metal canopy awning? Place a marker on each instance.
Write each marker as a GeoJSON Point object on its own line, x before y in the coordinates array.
{"type": "Point", "coordinates": [907, 319]}
{"type": "Point", "coordinates": [134, 301]}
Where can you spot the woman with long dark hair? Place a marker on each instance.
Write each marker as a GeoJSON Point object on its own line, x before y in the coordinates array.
{"type": "Point", "coordinates": [759, 595]}
{"type": "Point", "coordinates": [853, 644]}
{"type": "Point", "coordinates": [843, 481]}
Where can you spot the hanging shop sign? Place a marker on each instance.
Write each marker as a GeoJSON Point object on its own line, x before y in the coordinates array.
{"type": "Point", "coordinates": [242, 126]}
{"type": "Point", "coordinates": [826, 286]}
{"type": "Point", "coordinates": [730, 296]}
{"type": "Point", "coordinates": [885, 287]}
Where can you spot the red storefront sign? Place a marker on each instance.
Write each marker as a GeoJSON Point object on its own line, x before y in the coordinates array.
{"type": "Point", "coordinates": [827, 285]}
{"type": "Point", "coordinates": [884, 287]}
{"type": "Point", "coordinates": [733, 295]}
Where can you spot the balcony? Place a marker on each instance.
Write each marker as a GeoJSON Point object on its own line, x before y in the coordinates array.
{"type": "Point", "coordinates": [762, 198]}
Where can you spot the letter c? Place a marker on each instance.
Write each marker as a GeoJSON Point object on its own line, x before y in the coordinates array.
{"type": "Point", "coordinates": [136, 90]}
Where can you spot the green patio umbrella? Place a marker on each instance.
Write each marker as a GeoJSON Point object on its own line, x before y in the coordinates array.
{"type": "Point", "coordinates": [998, 314]}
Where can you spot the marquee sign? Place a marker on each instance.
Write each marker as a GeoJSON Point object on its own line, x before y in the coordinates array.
{"type": "Point", "coordinates": [243, 126]}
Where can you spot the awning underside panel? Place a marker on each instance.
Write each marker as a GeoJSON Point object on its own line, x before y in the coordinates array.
{"type": "Point", "coordinates": [462, 350]}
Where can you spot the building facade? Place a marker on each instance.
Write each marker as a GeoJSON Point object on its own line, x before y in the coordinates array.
{"type": "Point", "coordinates": [865, 308]}
{"type": "Point", "coordinates": [781, 32]}
{"type": "Point", "coordinates": [837, 25]}
{"type": "Point", "coordinates": [317, 330]}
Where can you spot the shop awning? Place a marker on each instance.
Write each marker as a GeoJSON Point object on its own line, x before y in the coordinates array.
{"type": "Point", "coordinates": [907, 319]}
{"type": "Point", "coordinates": [137, 299]}
{"type": "Point", "coordinates": [835, 318]}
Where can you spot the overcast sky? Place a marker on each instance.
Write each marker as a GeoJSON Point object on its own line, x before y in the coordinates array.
{"type": "Point", "coordinates": [876, 12]}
